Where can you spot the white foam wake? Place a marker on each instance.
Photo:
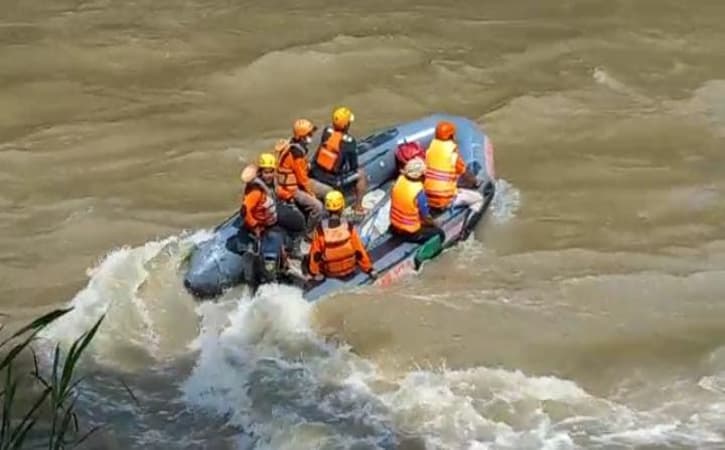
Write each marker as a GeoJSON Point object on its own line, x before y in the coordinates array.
{"type": "Point", "coordinates": [134, 316]}
{"type": "Point", "coordinates": [506, 201]}
{"type": "Point", "coordinates": [268, 372]}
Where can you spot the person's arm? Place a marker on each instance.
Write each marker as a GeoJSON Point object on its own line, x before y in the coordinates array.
{"type": "Point", "coordinates": [348, 150]}
{"type": "Point", "coordinates": [363, 259]}
{"type": "Point", "coordinates": [460, 164]}
{"type": "Point", "coordinates": [468, 179]}
{"type": "Point", "coordinates": [251, 199]}
{"type": "Point", "coordinates": [423, 208]}
{"type": "Point", "coordinates": [316, 248]}
{"type": "Point", "coordinates": [300, 169]}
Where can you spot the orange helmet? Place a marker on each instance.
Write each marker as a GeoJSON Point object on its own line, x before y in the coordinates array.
{"type": "Point", "coordinates": [341, 118]}
{"type": "Point", "coordinates": [303, 128]}
{"type": "Point", "coordinates": [445, 130]}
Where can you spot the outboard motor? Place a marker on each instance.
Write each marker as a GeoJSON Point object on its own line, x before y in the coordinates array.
{"type": "Point", "coordinates": [263, 261]}
{"type": "Point", "coordinates": [271, 257]}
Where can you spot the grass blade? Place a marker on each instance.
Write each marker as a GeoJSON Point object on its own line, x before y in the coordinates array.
{"type": "Point", "coordinates": [10, 386]}
{"type": "Point", "coordinates": [74, 355]}
{"type": "Point", "coordinates": [67, 417]}
{"type": "Point", "coordinates": [87, 435]}
{"type": "Point", "coordinates": [12, 354]}
{"type": "Point", "coordinates": [28, 421]}
{"type": "Point", "coordinates": [36, 371]}
{"type": "Point", "coordinates": [39, 323]}
{"type": "Point", "coordinates": [54, 374]}
{"type": "Point", "coordinates": [130, 392]}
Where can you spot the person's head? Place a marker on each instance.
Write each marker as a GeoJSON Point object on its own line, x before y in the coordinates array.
{"type": "Point", "coordinates": [334, 202]}
{"type": "Point", "coordinates": [445, 131]}
{"type": "Point", "coordinates": [267, 164]}
{"type": "Point", "coordinates": [342, 118]}
{"type": "Point", "coordinates": [414, 169]}
{"type": "Point", "coordinates": [302, 130]}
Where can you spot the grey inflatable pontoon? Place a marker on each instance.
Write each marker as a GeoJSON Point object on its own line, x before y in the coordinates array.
{"type": "Point", "coordinates": [217, 264]}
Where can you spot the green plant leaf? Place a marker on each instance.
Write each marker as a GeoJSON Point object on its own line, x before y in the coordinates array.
{"type": "Point", "coordinates": [39, 323]}
{"type": "Point", "coordinates": [18, 436]}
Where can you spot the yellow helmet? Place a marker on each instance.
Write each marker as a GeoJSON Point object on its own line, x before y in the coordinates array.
{"type": "Point", "coordinates": [334, 201]}
{"type": "Point", "coordinates": [342, 117]}
{"type": "Point", "coordinates": [267, 161]}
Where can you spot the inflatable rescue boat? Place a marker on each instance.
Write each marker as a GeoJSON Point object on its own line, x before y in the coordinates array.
{"type": "Point", "coordinates": [218, 263]}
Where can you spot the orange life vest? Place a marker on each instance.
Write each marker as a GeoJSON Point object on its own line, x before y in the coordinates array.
{"type": "Point", "coordinates": [440, 173]}
{"type": "Point", "coordinates": [328, 154]}
{"type": "Point", "coordinates": [286, 178]}
{"type": "Point", "coordinates": [265, 211]}
{"type": "Point", "coordinates": [339, 257]}
{"type": "Point", "coordinates": [404, 212]}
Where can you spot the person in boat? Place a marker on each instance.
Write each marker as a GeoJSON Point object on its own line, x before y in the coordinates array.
{"type": "Point", "coordinates": [444, 167]}
{"type": "Point", "coordinates": [336, 249]}
{"type": "Point", "coordinates": [410, 216]}
{"type": "Point", "coordinates": [293, 173]}
{"type": "Point", "coordinates": [335, 163]}
{"type": "Point", "coordinates": [265, 216]}
{"type": "Point", "coordinates": [407, 151]}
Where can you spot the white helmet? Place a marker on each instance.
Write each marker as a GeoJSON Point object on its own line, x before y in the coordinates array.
{"type": "Point", "coordinates": [414, 168]}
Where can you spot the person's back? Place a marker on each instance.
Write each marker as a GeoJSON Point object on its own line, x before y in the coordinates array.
{"type": "Point", "coordinates": [336, 249]}
{"type": "Point", "coordinates": [410, 216]}
{"type": "Point", "coordinates": [444, 166]}
{"type": "Point", "coordinates": [336, 154]}
{"type": "Point", "coordinates": [405, 211]}
{"type": "Point", "coordinates": [336, 162]}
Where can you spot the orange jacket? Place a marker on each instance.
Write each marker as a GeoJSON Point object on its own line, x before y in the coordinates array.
{"type": "Point", "coordinates": [342, 257]}
{"type": "Point", "coordinates": [404, 211]}
{"type": "Point", "coordinates": [292, 171]}
{"type": "Point", "coordinates": [337, 152]}
{"type": "Point", "coordinates": [258, 207]}
{"type": "Point", "coordinates": [443, 168]}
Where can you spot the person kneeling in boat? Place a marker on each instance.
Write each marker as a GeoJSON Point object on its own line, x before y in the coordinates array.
{"type": "Point", "coordinates": [336, 249]}
{"type": "Point", "coordinates": [265, 217]}
{"type": "Point", "coordinates": [293, 173]}
{"type": "Point", "coordinates": [444, 166]}
{"type": "Point", "coordinates": [409, 212]}
{"type": "Point", "coordinates": [335, 162]}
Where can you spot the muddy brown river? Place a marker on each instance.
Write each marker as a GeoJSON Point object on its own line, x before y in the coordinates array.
{"type": "Point", "coordinates": [587, 311]}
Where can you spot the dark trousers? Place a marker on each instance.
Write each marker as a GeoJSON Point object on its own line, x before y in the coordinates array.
{"type": "Point", "coordinates": [290, 223]}
{"type": "Point", "coordinates": [290, 219]}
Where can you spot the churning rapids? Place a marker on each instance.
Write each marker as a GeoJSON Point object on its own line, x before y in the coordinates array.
{"type": "Point", "coordinates": [587, 311]}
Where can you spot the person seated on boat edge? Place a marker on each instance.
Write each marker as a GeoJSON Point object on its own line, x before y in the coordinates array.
{"type": "Point", "coordinates": [336, 162]}
{"type": "Point", "coordinates": [336, 249]}
{"type": "Point", "coordinates": [293, 173]}
{"type": "Point", "coordinates": [444, 167]}
{"type": "Point", "coordinates": [409, 212]}
{"type": "Point", "coordinates": [261, 208]}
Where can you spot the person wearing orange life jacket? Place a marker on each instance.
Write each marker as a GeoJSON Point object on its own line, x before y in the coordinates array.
{"type": "Point", "coordinates": [264, 216]}
{"type": "Point", "coordinates": [292, 173]}
{"type": "Point", "coordinates": [335, 162]}
{"type": "Point", "coordinates": [336, 249]}
{"type": "Point", "coordinates": [409, 213]}
{"type": "Point", "coordinates": [444, 166]}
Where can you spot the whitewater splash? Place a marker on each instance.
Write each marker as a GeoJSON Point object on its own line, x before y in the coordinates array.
{"type": "Point", "coordinates": [259, 366]}
{"type": "Point", "coordinates": [139, 291]}
{"type": "Point", "coordinates": [271, 375]}
{"type": "Point", "coordinates": [506, 202]}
